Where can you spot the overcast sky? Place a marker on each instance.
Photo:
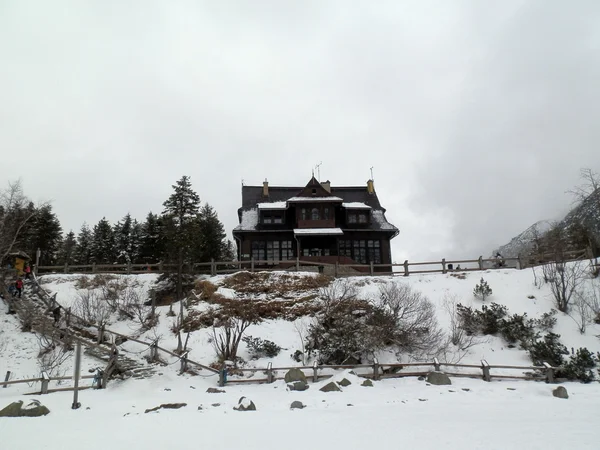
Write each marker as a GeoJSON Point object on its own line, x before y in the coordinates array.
{"type": "Point", "coordinates": [475, 115]}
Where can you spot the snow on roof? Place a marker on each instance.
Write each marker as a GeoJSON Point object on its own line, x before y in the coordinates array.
{"type": "Point", "coordinates": [272, 205]}
{"type": "Point", "coordinates": [379, 218]}
{"type": "Point", "coordinates": [356, 205]}
{"type": "Point", "coordinates": [315, 199]}
{"type": "Point", "coordinates": [249, 220]}
{"type": "Point", "coordinates": [315, 231]}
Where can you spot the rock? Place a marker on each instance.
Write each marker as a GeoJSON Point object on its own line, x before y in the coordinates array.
{"type": "Point", "coordinates": [330, 387]}
{"type": "Point", "coordinates": [349, 404]}
{"type": "Point", "coordinates": [167, 389]}
{"type": "Point", "coordinates": [215, 404]}
{"type": "Point", "coordinates": [466, 389]}
{"type": "Point", "coordinates": [295, 375]}
{"type": "Point", "coordinates": [438, 378]}
{"type": "Point", "coordinates": [450, 390]}
{"type": "Point", "coordinates": [560, 392]}
{"type": "Point", "coordinates": [298, 386]}
{"type": "Point", "coordinates": [166, 406]}
{"type": "Point", "coordinates": [245, 404]}
{"type": "Point", "coordinates": [421, 378]}
{"type": "Point", "coordinates": [422, 399]}
{"type": "Point", "coordinates": [511, 389]}
{"type": "Point", "coordinates": [215, 391]}
{"type": "Point", "coordinates": [33, 409]}
{"type": "Point", "coordinates": [344, 382]}
{"type": "Point", "coordinates": [367, 383]}
{"type": "Point", "coordinates": [200, 408]}
{"type": "Point", "coordinates": [297, 405]}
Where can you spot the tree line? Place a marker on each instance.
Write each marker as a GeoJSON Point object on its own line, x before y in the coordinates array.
{"type": "Point", "coordinates": [185, 231]}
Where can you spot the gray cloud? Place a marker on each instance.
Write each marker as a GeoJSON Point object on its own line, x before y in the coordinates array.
{"type": "Point", "coordinates": [475, 116]}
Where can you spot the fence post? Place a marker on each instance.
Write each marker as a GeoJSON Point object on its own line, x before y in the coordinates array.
{"type": "Point", "coordinates": [45, 383]}
{"type": "Point", "coordinates": [406, 268]}
{"type": "Point", "coordinates": [128, 268]}
{"type": "Point", "coordinates": [213, 267]}
{"type": "Point", "coordinates": [589, 252]}
{"type": "Point", "coordinates": [184, 361]}
{"type": "Point", "coordinates": [336, 269]}
{"type": "Point", "coordinates": [6, 378]}
{"type": "Point", "coordinates": [372, 269]}
{"type": "Point", "coordinates": [270, 373]}
{"type": "Point", "coordinates": [375, 369]}
{"type": "Point", "coordinates": [252, 264]}
{"type": "Point", "coordinates": [297, 264]}
{"type": "Point", "coordinates": [315, 372]}
{"type": "Point", "coordinates": [485, 367]}
{"type": "Point", "coordinates": [480, 263]}
{"type": "Point", "coordinates": [549, 372]}
{"type": "Point", "coordinates": [100, 334]}
{"type": "Point", "coordinates": [436, 365]}
{"type": "Point", "coordinates": [68, 316]}
{"type": "Point", "coordinates": [154, 351]}
{"type": "Point", "coordinates": [223, 375]}
{"type": "Point", "coordinates": [443, 265]}
{"type": "Point", "coordinates": [519, 262]}
{"type": "Point", "coordinates": [76, 404]}
{"type": "Point", "coordinates": [93, 267]}
{"type": "Point", "coordinates": [160, 266]}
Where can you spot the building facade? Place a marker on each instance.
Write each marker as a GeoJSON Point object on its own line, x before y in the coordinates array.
{"type": "Point", "coordinates": [318, 223]}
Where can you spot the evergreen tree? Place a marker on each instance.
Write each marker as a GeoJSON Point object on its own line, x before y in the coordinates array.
{"type": "Point", "coordinates": [127, 240]}
{"type": "Point", "coordinates": [230, 253]}
{"type": "Point", "coordinates": [66, 254]}
{"type": "Point", "coordinates": [103, 243]}
{"type": "Point", "coordinates": [152, 239]}
{"type": "Point", "coordinates": [44, 232]}
{"type": "Point", "coordinates": [136, 241]}
{"type": "Point", "coordinates": [83, 248]}
{"type": "Point", "coordinates": [210, 239]}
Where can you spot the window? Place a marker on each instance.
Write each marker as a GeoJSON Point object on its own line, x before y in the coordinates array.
{"type": "Point", "coordinates": [362, 218]}
{"type": "Point", "coordinates": [325, 213]}
{"type": "Point", "coordinates": [286, 250]}
{"type": "Point", "coordinates": [304, 214]}
{"type": "Point", "coordinates": [258, 250]}
{"type": "Point", "coordinates": [267, 219]}
{"type": "Point", "coordinates": [351, 218]}
{"type": "Point", "coordinates": [277, 219]}
{"type": "Point", "coordinates": [345, 248]}
{"type": "Point", "coordinates": [314, 192]}
{"type": "Point", "coordinates": [273, 251]}
{"type": "Point", "coordinates": [361, 251]}
{"type": "Point", "coordinates": [374, 252]}
{"type": "Point", "coordinates": [314, 215]}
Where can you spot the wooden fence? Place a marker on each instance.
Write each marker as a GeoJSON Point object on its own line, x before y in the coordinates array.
{"type": "Point", "coordinates": [377, 371]}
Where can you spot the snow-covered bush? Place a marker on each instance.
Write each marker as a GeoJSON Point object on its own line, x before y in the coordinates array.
{"type": "Point", "coordinates": [482, 290]}
{"type": "Point", "coordinates": [486, 321]}
{"type": "Point", "coordinates": [518, 329]}
{"type": "Point", "coordinates": [260, 348]}
{"type": "Point", "coordinates": [549, 349]}
{"type": "Point", "coordinates": [580, 366]}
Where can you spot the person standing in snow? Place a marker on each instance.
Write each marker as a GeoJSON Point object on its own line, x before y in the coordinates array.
{"type": "Point", "coordinates": [27, 272]}
{"type": "Point", "coordinates": [19, 286]}
{"type": "Point", "coordinates": [499, 260]}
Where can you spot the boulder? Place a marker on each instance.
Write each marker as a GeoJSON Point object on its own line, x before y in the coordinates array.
{"type": "Point", "coordinates": [367, 383]}
{"type": "Point", "coordinates": [245, 404]}
{"type": "Point", "coordinates": [344, 382]}
{"type": "Point", "coordinates": [297, 405]}
{"type": "Point", "coordinates": [330, 387]}
{"type": "Point", "coordinates": [560, 392]}
{"type": "Point", "coordinates": [295, 375]}
{"type": "Point", "coordinates": [33, 409]}
{"type": "Point", "coordinates": [212, 390]}
{"type": "Point", "coordinates": [166, 406]}
{"type": "Point", "coordinates": [298, 386]}
{"type": "Point", "coordinates": [438, 378]}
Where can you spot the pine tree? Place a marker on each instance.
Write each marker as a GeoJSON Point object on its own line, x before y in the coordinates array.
{"type": "Point", "coordinates": [83, 249]}
{"type": "Point", "coordinates": [127, 240]}
{"type": "Point", "coordinates": [151, 239]}
{"type": "Point", "coordinates": [229, 253]}
{"type": "Point", "coordinates": [43, 232]}
{"type": "Point", "coordinates": [482, 290]}
{"type": "Point", "coordinates": [66, 255]}
{"type": "Point", "coordinates": [103, 243]}
{"type": "Point", "coordinates": [210, 239]}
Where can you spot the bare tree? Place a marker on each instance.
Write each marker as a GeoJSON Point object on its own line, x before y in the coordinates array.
{"type": "Point", "coordinates": [52, 354]}
{"type": "Point", "coordinates": [301, 330]}
{"type": "Point", "coordinates": [582, 314]}
{"type": "Point", "coordinates": [92, 308]}
{"type": "Point", "coordinates": [590, 182]}
{"type": "Point", "coordinates": [564, 280]}
{"type": "Point", "coordinates": [229, 329]}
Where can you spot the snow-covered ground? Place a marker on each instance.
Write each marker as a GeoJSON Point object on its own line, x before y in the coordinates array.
{"type": "Point", "coordinates": [400, 412]}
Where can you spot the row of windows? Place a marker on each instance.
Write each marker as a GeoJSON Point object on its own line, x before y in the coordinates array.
{"type": "Point", "coordinates": [314, 213]}
{"type": "Point", "coordinates": [272, 250]}
{"type": "Point", "coordinates": [362, 251]}
{"type": "Point", "coordinates": [358, 218]}
{"type": "Point", "coordinates": [272, 219]}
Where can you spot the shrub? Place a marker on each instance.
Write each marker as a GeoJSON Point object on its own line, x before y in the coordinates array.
{"type": "Point", "coordinates": [482, 290]}
{"type": "Point", "coordinates": [518, 329]}
{"type": "Point", "coordinates": [546, 322]}
{"type": "Point", "coordinates": [204, 289]}
{"type": "Point", "coordinates": [486, 321]}
{"type": "Point", "coordinates": [580, 366]}
{"type": "Point", "coordinates": [548, 350]}
{"type": "Point", "coordinates": [259, 348]}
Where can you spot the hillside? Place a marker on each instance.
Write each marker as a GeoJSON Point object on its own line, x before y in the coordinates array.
{"type": "Point", "coordinates": [432, 414]}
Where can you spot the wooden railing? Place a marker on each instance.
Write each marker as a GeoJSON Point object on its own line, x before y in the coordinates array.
{"type": "Point", "coordinates": [377, 371]}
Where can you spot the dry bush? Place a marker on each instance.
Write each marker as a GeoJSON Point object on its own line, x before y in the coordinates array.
{"type": "Point", "coordinates": [204, 289]}
{"type": "Point", "coordinates": [92, 308]}
{"type": "Point", "coordinates": [99, 280]}
{"type": "Point", "coordinates": [228, 332]}
{"type": "Point", "coordinates": [458, 340]}
{"type": "Point", "coordinates": [564, 280]}
{"type": "Point", "coordinates": [52, 354]}
{"type": "Point", "coordinates": [274, 285]}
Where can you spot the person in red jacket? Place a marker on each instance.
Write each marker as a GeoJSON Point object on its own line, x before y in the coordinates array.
{"type": "Point", "coordinates": [27, 272]}
{"type": "Point", "coordinates": [19, 286]}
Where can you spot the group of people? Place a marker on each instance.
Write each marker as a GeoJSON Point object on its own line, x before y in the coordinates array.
{"type": "Point", "coordinates": [16, 288]}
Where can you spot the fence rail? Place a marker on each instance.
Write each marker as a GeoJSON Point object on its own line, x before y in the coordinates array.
{"type": "Point", "coordinates": [377, 371]}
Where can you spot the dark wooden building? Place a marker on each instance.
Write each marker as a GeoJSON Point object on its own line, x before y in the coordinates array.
{"type": "Point", "coordinates": [318, 222]}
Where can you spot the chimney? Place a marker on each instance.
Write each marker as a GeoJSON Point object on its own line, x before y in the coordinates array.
{"type": "Point", "coordinates": [327, 185]}
{"type": "Point", "coordinates": [370, 187]}
{"type": "Point", "coordinates": [265, 188]}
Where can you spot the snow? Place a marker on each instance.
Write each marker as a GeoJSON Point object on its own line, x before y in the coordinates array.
{"type": "Point", "coordinates": [272, 205]}
{"type": "Point", "coordinates": [316, 231]}
{"type": "Point", "coordinates": [394, 412]}
{"type": "Point", "coordinates": [356, 205]}
{"type": "Point", "coordinates": [315, 199]}
{"type": "Point", "coordinates": [249, 220]}
{"type": "Point", "coordinates": [379, 218]}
